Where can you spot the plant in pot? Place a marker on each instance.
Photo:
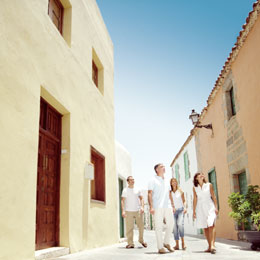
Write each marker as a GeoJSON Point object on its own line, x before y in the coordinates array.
{"type": "Point", "coordinates": [246, 212]}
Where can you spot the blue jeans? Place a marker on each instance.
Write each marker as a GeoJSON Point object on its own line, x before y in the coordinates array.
{"type": "Point", "coordinates": [178, 230]}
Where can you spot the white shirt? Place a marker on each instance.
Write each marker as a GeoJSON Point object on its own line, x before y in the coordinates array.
{"type": "Point", "coordinates": [160, 195]}
{"type": "Point", "coordinates": [132, 201]}
{"type": "Point", "coordinates": [177, 200]}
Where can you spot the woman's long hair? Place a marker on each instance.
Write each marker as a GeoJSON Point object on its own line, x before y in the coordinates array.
{"type": "Point", "coordinates": [195, 181]}
{"type": "Point", "coordinates": [177, 187]}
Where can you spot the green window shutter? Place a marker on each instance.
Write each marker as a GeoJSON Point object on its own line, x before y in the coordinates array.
{"type": "Point", "coordinates": [177, 174]}
{"type": "Point", "coordinates": [242, 183]}
{"type": "Point", "coordinates": [213, 181]}
{"type": "Point", "coordinates": [232, 99]}
{"type": "Point", "coordinates": [186, 166]}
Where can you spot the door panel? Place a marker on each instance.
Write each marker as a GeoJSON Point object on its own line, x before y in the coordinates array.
{"type": "Point", "coordinates": [47, 208]}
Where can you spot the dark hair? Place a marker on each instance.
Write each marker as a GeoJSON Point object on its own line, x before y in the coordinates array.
{"type": "Point", "coordinates": [129, 178]}
{"type": "Point", "coordinates": [195, 181]}
{"type": "Point", "coordinates": [156, 166]}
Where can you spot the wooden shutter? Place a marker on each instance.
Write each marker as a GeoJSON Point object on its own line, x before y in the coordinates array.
{"type": "Point", "coordinates": [186, 166]}
{"type": "Point", "coordinates": [177, 174]}
{"type": "Point", "coordinates": [95, 73]}
{"type": "Point", "coordinates": [98, 184]}
{"type": "Point", "coordinates": [242, 183]}
{"type": "Point", "coordinates": [213, 181]}
{"type": "Point", "coordinates": [232, 99]}
{"type": "Point", "coordinates": [55, 12]}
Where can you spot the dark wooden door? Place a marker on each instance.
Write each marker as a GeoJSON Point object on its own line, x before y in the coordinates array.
{"type": "Point", "coordinates": [48, 179]}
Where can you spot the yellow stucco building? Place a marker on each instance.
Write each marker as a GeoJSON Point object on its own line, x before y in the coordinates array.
{"type": "Point", "coordinates": [231, 156]}
{"type": "Point", "coordinates": [56, 117]}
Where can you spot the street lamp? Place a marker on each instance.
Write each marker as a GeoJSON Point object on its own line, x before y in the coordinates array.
{"type": "Point", "coordinates": [195, 120]}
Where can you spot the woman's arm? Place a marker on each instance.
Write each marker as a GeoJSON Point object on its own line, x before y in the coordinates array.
{"type": "Point", "coordinates": [171, 199]}
{"type": "Point", "coordinates": [213, 196]}
{"type": "Point", "coordinates": [184, 202]}
{"type": "Point", "coordinates": [194, 203]}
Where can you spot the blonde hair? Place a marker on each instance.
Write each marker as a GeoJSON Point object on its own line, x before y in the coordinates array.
{"type": "Point", "coordinates": [177, 188]}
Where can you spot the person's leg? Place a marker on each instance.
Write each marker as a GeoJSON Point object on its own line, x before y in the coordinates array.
{"type": "Point", "coordinates": [181, 228]}
{"type": "Point", "coordinates": [175, 230]}
{"type": "Point", "coordinates": [206, 233]}
{"type": "Point", "coordinates": [140, 225]}
{"type": "Point", "coordinates": [158, 222]}
{"type": "Point", "coordinates": [211, 239]}
{"type": "Point", "coordinates": [214, 236]}
{"type": "Point", "coordinates": [129, 227]}
{"type": "Point", "coordinates": [168, 214]}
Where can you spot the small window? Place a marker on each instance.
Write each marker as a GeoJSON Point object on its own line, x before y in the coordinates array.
{"type": "Point", "coordinates": [95, 73]}
{"type": "Point", "coordinates": [98, 184]}
{"type": "Point", "coordinates": [232, 101]}
{"type": "Point", "coordinates": [186, 166]}
{"type": "Point", "coordinates": [55, 12]}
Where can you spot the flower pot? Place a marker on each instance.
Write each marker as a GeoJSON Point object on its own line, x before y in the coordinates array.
{"type": "Point", "coordinates": [251, 236]}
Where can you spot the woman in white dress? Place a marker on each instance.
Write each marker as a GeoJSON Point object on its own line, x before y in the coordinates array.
{"type": "Point", "coordinates": [205, 208]}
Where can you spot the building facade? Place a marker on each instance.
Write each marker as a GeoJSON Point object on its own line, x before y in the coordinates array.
{"type": "Point", "coordinates": [184, 167]}
{"type": "Point", "coordinates": [57, 119]}
{"type": "Point", "coordinates": [229, 156]}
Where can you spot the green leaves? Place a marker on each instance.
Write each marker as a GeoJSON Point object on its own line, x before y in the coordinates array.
{"type": "Point", "coordinates": [246, 207]}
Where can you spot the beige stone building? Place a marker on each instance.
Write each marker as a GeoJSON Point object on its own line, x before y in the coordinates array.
{"type": "Point", "coordinates": [56, 121]}
{"type": "Point", "coordinates": [230, 156]}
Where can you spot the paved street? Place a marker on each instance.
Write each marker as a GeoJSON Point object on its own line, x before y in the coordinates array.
{"type": "Point", "coordinates": [226, 249]}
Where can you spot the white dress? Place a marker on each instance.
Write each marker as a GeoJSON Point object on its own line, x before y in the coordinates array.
{"type": "Point", "coordinates": [205, 209]}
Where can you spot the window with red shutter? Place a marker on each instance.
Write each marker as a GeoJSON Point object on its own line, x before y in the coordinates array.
{"type": "Point", "coordinates": [98, 189]}
{"type": "Point", "coordinates": [95, 73]}
{"type": "Point", "coordinates": [55, 12]}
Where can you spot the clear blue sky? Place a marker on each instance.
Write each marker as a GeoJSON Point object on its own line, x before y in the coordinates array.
{"type": "Point", "coordinates": [168, 55]}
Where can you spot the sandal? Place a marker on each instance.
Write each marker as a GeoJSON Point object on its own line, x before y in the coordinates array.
{"type": "Point", "coordinates": [143, 244]}
{"type": "Point", "coordinates": [184, 248]}
{"type": "Point", "coordinates": [176, 248]}
{"type": "Point", "coordinates": [213, 251]}
{"type": "Point", "coordinates": [130, 246]}
{"type": "Point", "coordinates": [207, 251]}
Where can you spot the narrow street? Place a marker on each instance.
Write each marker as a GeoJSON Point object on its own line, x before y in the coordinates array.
{"type": "Point", "coordinates": [226, 249]}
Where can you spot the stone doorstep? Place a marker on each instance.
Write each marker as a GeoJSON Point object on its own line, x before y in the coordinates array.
{"type": "Point", "coordinates": [51, 252]}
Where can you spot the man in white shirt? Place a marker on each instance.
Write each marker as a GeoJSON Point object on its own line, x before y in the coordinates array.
{"type": "Point", "coordinates": [160, 206]}
{"type": "Point", "coordinates": [132, 205]}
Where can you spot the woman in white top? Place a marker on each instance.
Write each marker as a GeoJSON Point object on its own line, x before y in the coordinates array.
{"type": "Point", "coordinates": [205, 208]}
{"type": "Point", "coordinates": [179, 209]}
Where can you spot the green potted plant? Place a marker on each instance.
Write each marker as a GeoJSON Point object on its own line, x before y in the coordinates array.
{"type": "Point", "coordinates": [246, 212]}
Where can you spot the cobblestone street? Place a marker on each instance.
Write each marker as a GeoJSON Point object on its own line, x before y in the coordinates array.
{"type": "Point", "coordinates": [226, 249]}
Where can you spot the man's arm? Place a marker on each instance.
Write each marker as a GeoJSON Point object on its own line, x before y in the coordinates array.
{"type": "Point", "coordinates": [150, 201]}
{"type": "Point", "coordinates": [123, 207]}
{"type": "Point", "coordinates": [142, 203]}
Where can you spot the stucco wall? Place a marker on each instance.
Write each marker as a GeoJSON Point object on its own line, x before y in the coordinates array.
{"type": "Point", "coordinates": [247, 77]}
{"type": "Point", "coordinates": [187, 185]}
{"type": "Point", "coordinates": [36, 61]}
{"type": "Point", "coordinates": [234, 147]}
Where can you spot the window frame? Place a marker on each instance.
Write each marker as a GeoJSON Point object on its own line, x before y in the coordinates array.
{"type": "Point", "coordinates": [99, 181]}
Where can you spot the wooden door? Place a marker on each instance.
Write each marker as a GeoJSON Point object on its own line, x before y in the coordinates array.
{"type": "Point", "coordinates": [48, 179]}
